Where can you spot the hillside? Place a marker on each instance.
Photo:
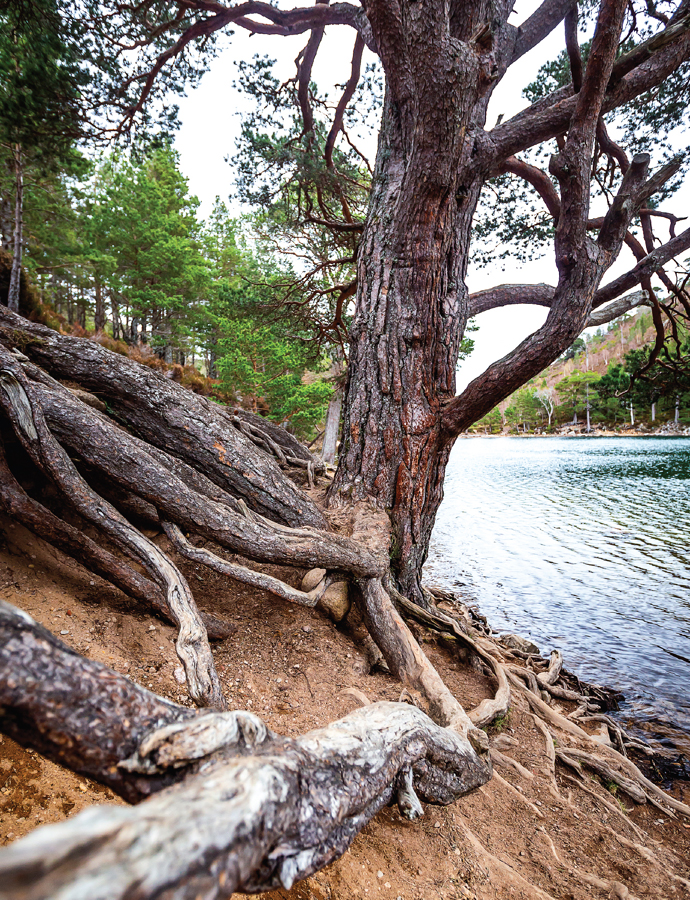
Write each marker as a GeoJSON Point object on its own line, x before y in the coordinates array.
{"type": "Point", "coordinates": [570, 384]}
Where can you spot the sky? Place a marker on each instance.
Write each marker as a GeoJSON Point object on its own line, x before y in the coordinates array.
{"type": "Point", "coordinates": [211, 118]}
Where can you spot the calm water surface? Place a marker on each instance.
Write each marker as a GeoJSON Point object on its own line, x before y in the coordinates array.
{"type": "Point", "coordinates": [581, 544]}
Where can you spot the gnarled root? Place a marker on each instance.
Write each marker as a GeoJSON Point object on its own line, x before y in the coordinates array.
{"type": "Point", "coordinates": [168, 416]}
{"type": "Point", "coordinates": [24, 412]}
{"type": "Point", "coordinates": [250, 811]}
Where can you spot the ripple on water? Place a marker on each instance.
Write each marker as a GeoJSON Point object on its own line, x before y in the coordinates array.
{"type": "Point", "coordinates": [580, 544]}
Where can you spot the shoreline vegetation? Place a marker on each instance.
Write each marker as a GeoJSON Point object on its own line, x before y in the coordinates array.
{"type": "Point", "coordinates": [603, 385]}
{"type": "Point", "coordinates": [576, 431]}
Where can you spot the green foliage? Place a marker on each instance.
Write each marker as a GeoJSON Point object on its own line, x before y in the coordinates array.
{"type": "Point", "coordinates": [143, 238]}
{"type": "Point", "coordinates": [41, 76]}
{"type": "Point", "coordinates": [579, 389]}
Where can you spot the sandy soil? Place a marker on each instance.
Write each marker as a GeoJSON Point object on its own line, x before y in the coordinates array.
{"type": "Point", "coordinates": [293, 667]}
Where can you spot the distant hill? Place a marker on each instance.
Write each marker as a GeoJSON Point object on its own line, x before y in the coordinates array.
{"type": "Point", "coordinates": [569, 386]}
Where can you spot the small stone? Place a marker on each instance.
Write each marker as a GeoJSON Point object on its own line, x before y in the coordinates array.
{"type": "Point", "coordinates": [152, 627]}
{"type": "Point", "coordinates": [437, 824]}
{"type": "Point", "coordinates": [82, 788]}
{"type": "Point", "coordinates": [307, 629]}
{"type": "Point", "coordinates": [312, 579]}
{"type": "Point", "coordinates": [336, 601]}
{"type": "Point", "coordinates": [379, 874]}
{"type": "Point", "coordinates": [516, 642]}
{"type": "Point", "coordinates": [387, 884]}
{"type": "Point", "coordinates": [180, 676]}
{"type": "Point", "coordinates": [64, 631]}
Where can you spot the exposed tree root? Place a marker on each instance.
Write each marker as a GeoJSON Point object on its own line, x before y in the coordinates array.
{"type": "Point", "coordinates": [166, 415]}
{"type": "Point", "coordinates": [24, 412]}
{"type": "Point", "coordinates": [488, 710]}
{"type": "Point", "coordinates": [266, 810]}
{"type": "Point", "coordinates": [263, 810]}
{"type": "Point", "coordinates": [242, 573]}
{"type": "Point", "coordinates": [504, 871]}
{"type": "Point", "coordinates": [15, 502]}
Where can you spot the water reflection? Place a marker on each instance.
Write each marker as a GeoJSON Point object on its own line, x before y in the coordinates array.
{"type": "Point", "coordinates": [580, 544]}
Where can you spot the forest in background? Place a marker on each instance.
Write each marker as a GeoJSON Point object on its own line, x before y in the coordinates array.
{"type": "Point", "coordinates": [597, 385]}
{"type": "Point", "coordinates": [120, 252]}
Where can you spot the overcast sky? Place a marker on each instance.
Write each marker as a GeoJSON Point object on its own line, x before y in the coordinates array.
{"type": "Point", "coordinates": [211, 117]}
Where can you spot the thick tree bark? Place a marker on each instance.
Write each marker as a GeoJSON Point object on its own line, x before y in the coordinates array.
{"type": "Point", "coordinates": [411, 308]}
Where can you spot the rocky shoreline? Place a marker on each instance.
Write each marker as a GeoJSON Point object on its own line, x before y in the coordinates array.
{"type": "Point", "coordinates": [580, 430]}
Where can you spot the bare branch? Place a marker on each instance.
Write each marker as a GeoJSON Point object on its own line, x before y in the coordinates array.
{"type": "Point", "coordinates": [347, 95]}
{"type": "Point", "coordinates": [572, 45]}
{"type": "Point", "coordinates": [540, 25]}
{"type": "Point", "coordinates": [646, 267]}
{"type": "Point", "coordinates": [539, 180]}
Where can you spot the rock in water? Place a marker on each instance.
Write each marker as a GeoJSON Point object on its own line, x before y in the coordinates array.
{"type": "Point", "coordinates": [515, 642]}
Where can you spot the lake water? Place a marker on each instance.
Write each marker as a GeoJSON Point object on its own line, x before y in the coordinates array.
{"type": "Point", "coordinates": [581, 544]}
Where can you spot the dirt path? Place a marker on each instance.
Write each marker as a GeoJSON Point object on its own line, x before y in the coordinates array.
{"type": "Point", "coordinates": [511, 839]}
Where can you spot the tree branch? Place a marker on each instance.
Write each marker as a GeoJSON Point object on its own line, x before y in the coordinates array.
{"type": "Point", "coordinates": [551, 116]}
{"type": "Point", "coordinates": [540, 25]}
{"type": "Point", "coordinates": [645, 267]}
{"type": "Point", "coordinates": [347, 95]}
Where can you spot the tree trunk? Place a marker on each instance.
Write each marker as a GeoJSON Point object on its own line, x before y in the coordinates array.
{"type": "Point", "coordinates": [99, 314]}
{"type": "Point", "coordinates": [410, 318]}
{"type": "Point", "coordinates": [115, 313]}
{"type": "Point", "coordinates": [332, 430]}
{"type": "Point", "coordinates": [654, 411]}
{"type": "Point", "coordinates": [15, 278]}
